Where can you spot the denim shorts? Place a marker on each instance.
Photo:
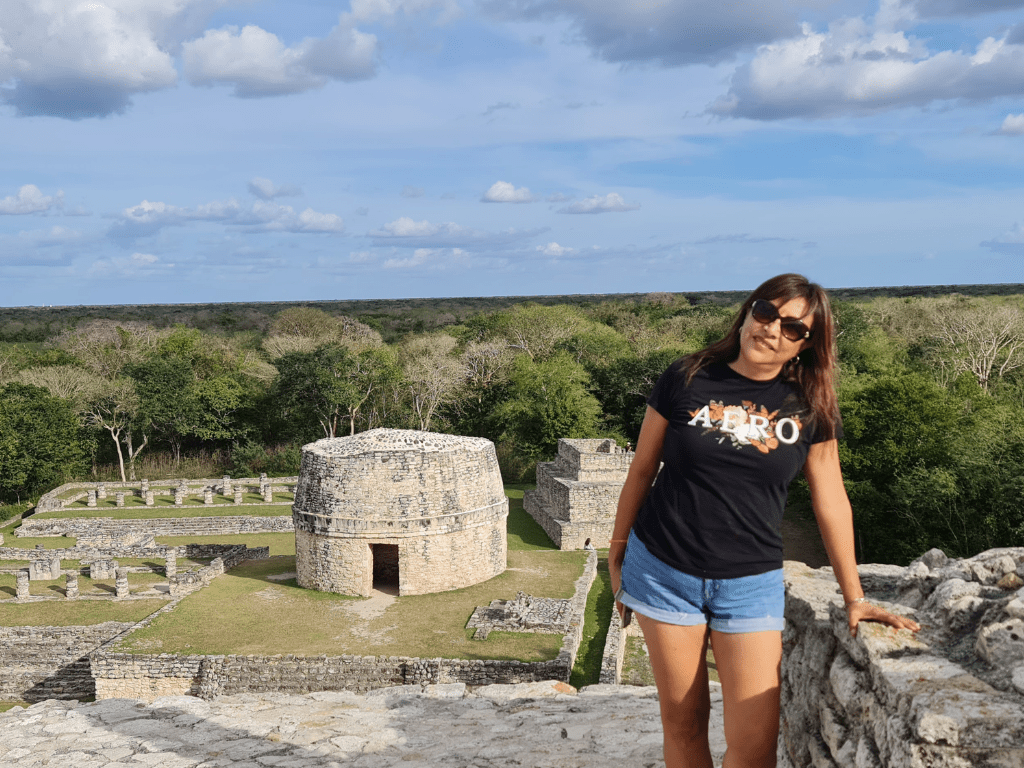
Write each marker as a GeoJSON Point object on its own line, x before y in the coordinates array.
{"type": "Point", "coordinates": [660, 592]}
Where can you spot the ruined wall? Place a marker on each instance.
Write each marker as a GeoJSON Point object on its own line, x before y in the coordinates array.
{"type": "Point", "coordinates": [950, 697]}
{"type": "Point", "coordinates": [112, 529]}
{"type": "Point", "coordinates": [38, 663]}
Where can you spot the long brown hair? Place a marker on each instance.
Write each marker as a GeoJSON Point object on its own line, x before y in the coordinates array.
{"type": "Point", "coordinates": [812, 370]}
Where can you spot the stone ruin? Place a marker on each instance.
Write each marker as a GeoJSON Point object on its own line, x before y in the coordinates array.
{"type": "Point", "coordinates": [578, 492]}
{"type": "Point", "coordinates": [418, 510]}
{"type": "Point", "coordinates": [523, 613]}
{"type": "Point", "coordinates": [951, 696]}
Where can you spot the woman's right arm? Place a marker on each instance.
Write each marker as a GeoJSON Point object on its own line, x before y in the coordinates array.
{"type": "Point", "coordinates": [642, 472]}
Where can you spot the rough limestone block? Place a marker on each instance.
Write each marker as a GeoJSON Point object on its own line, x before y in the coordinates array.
{"type": "Point", "coordinates": [101, 491]}
{"type": "Point", "coordinates": [238, 495]}
{"type": "Point", "coordinates": [226, 485]}
{"type": "Point", "coordinates": [208, 496]}
{"type": "Point", "coordinates": [71, 586]}
{"type": "Point", "coordinates": [22, 584]}
{"type": "Point", "coordinates": [119, 498]}
{"type": "Point", "coordinates": [171, 565]}
{"type": "Point", "coordinates": [1002, 643]}
{"type": "Point", "coordinates": [149, 498]}
{"type": "Point", "coordinates": [91, 499]}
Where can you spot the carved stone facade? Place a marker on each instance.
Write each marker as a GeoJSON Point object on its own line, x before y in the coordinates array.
{"type": "Point", "coordinates": [578, 492]}
{"type": "Point", "coordinates": [426, 508]}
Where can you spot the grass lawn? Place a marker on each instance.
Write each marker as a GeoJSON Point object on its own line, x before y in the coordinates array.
{"type": "Point", "coordinates": [165, 507]}
{"type": "Point", "coordinates": [48, 542]}
{"type": "Point", "coordinates": [233, 613]}
{"type": "Point", "coordinates": [597, 618]}
{"type": "Point", "coordinates": [77, 613]}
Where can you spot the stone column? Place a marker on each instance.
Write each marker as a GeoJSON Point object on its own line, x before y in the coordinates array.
{"type": "Point", "coordinates": [238, 495]}
{"type": "Point", "coordinates": [149, 498]}
{"type": "Point", "coordinates": [90, 500]}
{"type": "Point", "coordinates": [54, 568]}
{"type": "Point", "coordinates": [121, 582]}
{"type": "Point", "coordinates": [101, 491]}
{"type": "Point", "coordinates": [144, 487]}
{"type": "Point", "coordinates": [119, 498]}
{"type": "Point", "coordinates": [171, 565]}
{"type": "Point", "coordinates": [227, 485]}
{"type": "Point", "coordinates": [208, 496]}
{"type": "Point", "coordinates": [22, 583]}
{"type": "Point", "coordinates": [71, 589]}
{"type": "Point", "coordinates": [179, 497]}
{"type": "Point", "coordinates": [263, 478]}
{"type": "Point", "coordinates": [268, 493]}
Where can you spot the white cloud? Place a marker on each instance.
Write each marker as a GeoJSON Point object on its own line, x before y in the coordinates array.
{"type": "Point", "coordinates": [411, 191]}
{"type": "Point", "coordinates": [30, 199]}
{"type": "Point", "coordinates": [861, 66]}
{"type": "Point", "coordinates": [504, 192]}
{"type": "Point", "coordinates": [669, 32]}
{"type": "Point", "coordinates": [1013, 125]}
{"type": "Point", "coordinates": [144, 258]}
{"type": "Point", "coordinates": [257, 63]}
{"type": "Point", "coordinates": [148, 218]}
{"type": "Point", "coordinates": [556, 250]}
{"type": "Point", "coordinates": [87, 59]}
{"type": "Point", "coordinates": [1011, 242]}
{"type": "Point", "coordinates": [434, 258]}
{"type": "Point", "coordinates": [404, 232]}
{"type": "Point", "coordinates": [931, 8]}
{"type": "Point", "coordinates": [265, 189]}
{"type": "Point", "coordinates": [612, 202]}
{"type": "Point", "coordinates": [374, 10]}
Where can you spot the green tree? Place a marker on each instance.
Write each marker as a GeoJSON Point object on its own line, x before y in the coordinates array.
{"type": "Point", "coordinates": [42, 442]}
{"type": "Point", "coordinates": [547, 400]}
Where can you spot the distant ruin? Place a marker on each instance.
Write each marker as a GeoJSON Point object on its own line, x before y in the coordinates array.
{"type": "Point", "coordinates": [421, 511]}
{"type": "Point", "coordinates": [578, 492]}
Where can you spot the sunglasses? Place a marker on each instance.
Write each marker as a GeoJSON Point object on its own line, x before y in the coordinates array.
{"type": "Point", "coordinates": [765, 312]}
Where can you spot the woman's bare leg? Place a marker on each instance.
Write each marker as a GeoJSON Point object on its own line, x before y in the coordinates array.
{"type": "Point", "coordinates": [678, 661]}
{"type": "Point", "coordinates": [749, 667]}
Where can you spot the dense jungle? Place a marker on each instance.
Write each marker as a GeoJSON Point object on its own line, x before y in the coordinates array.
{"type": "Point", "coordinates": [931, 390]}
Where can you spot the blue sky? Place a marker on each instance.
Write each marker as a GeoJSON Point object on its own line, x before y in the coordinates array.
{"type": "Point", "coordinates": [159, 151]}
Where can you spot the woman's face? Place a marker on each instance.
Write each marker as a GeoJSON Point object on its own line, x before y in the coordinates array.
{"type": "Point", "coordinates": [763, 346]}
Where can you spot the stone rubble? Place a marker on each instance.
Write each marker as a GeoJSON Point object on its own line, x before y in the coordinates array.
{"type": "Point", "coordinates": [538, 725]}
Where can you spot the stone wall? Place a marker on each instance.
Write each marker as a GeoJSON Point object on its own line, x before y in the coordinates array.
{"type": "Point", "coordinates": [38, 663]}
{"type": "Point", "coordinates": [577, 493]}
{"type": "Point", "coordinates": [148, 676]}
{"type": "Point", "coordinates": [113, 529]}
{"type": "Point", "coordinates": [949, 697]}
{"type": "Point", "coordinates": [86, 554]}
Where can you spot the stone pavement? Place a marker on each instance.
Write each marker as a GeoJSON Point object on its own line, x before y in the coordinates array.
{"type": "Point", "coordinates": [534, 725]}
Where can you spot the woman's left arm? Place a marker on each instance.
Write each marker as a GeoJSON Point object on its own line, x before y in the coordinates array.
{"type": "Point", "coordinates": [835, 521]}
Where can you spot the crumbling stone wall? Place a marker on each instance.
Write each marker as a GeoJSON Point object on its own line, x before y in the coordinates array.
{"type": "Point", "coordinates": [951, 696]}
{"type": "Point", "coordinates": [578, 492]}
{"type": "Point", "coordinates": [38, 663]}
{"type": "Point", "coordinates": [438, 498]}
{"type": "Point", "coordinates": [110, 529]}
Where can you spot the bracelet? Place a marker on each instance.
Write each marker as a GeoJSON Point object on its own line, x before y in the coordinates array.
{"type": "Point", "coordinates": [856, 600]}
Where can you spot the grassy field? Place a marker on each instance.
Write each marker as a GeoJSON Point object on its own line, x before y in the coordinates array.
{"type": "Point", "coordinates": [79, 613]}
{"type": "Point", "coordinates": [232, 615]}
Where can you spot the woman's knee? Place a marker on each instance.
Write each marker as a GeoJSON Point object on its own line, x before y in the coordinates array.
{"type": "Point", "coordinates": [687, 722]}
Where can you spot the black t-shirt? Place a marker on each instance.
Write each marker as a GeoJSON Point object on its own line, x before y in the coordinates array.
{"type": "Point", "coordinates": [731, 449]}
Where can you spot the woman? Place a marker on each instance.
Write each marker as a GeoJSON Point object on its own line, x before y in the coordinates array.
{"type": "Point", "coordinates": [698, 555]}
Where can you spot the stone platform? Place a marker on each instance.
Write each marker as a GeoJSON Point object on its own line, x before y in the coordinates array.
{"type": "Point", "coordinates": [540, 725]}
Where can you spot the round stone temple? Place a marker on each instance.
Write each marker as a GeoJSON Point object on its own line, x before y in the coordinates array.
{"type": "Point", "coordinates": [399, 510]}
